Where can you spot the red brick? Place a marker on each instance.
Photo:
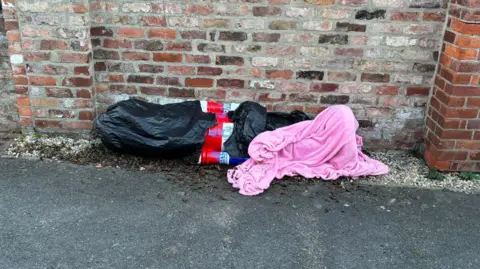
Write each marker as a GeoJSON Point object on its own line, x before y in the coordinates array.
{"type": "Point", "coordinates": [168, 81]}
{"type": "Point", "coordinates": [116, 44]}
{"type": "Point", "coordinates": [129, 32]}
{"type": "Point", "coordinates": [81, 70]}
{"type": "Point", "coordinates": [45, 102]}
{"type": "Point", "coordinates": [181, 93]}
{"type": "Point", "coordinates": [368, 77]}
{"type": "Point", "coordinates": [78, 125]}
{"type": "Point", "coordinates": [284, 74]}
{"type": "Point", "coordinates": [466, 67]}
{"type": "Point", "coordinates": [84, 94]}
{"type": "Point", "coordinates": [405, 16]}
{"type": "Point", "coordinates": [473, 102]}
{"type": "Point", "coordinates": [418, 91]}
{"type": "Point", "coordinates": [101, 31]}
{"type": "Point", "coordinates": [53, 45]}
{"type": "Point", "coordinates": [23, 101]}
{"type": "Point", "coordinates": [434, 16]}
{"type": "Point", "coordinates": [476, 80]}
{"type": "Point", "coordinates": [216, 94]}
{"type": "Point", "coordinates": [314, 109]}
{"type": "Point", "coordinates": [140, 79]}
{"type": "Point", "coordinates": [112, 78]}
{"type": "Point", "coordinates": [475, 156]}
{"type": "Point", "coordinates": [26, 121]}
{"type": "Point", "coordinates": [454, 134]}
{"type": "Point", "coordinates": [461, 113]}
{"type": "Point", "coordinates": [153, 91]}
{"type": "Point", "coordinates": [36, 56]}
{"type": "Point", "coordinates": [198, 10]}
{"type": "Point", "coordinates": [209, 71]}
{"type": "Point", "coordinates": [465, 28]}
{"type": "Point", "coordinates": [167, 57]}
{"type": "Point", "coordinates": [231, 83]}
{"type": "Point", "coordinates": [271, 97]}
{"type": "Point", "coordinates": [48, 124]}
{"type": "Point", "coordinates": [323, 87]}
{"type": "Point", "coordinates": [86, 115]}
{"type": "Point", "coordinates": [162, 33]}
{"type": "Point", "coordinates": [440, 82]}
{"type": "Point", "coordinates": [458, 90]}
{"type": "Point", "coordinates": [100, 66]}
{"type": "Point", "coordinates": [74, 57]}
{"type": "Point", "coordinates": [42, 81]}
{"type": "Point", "coordinates": [465, 41]}
{"type": "Point", "coordinates": [20, 80]}
{"type": "Point", "coordinates": [13, 36]}
{"type": "Point", "coordinates": [82, 103]}
{"type": "Point", "coordinates": [11, 25]}
{"type": "Point", "coordinates": [448, 100]}
{"type": "Point", "coordinates": [199, 82]}
{"type": "Point", "coordinates": [77, 82]}
{"type": "Point", "coordinates": [459, 53]}
{"type": "Point", "coordinates": [24, 111]}
{"type": "Point", "coordinates": [201, 59]}
{"type": "Point", "coordinates": [349, 52]}
{"type": "Point", "coordinates": [136, 56]}
{"type": "Point", "coordinates": [153, 21]}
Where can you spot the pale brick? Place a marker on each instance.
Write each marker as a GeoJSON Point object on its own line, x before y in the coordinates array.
{"type": "Point", "coordinates": [388, 3]}
{"type": "Point", "coordinates": [297, 12]}
{"type": "Point", "coordinates": [408, 79]}
{"type": "Point", "coordinates": [355, 88]}
{"type": "Point", "coordinates": [400, 41]}
{"type": "Point", "coordinates": [314, 51]}
{"type": "Point", "coordinates": [337, 14]}
{"type": "Point", "coordinates": [298, 62]}
{"type": "Point", "coordinates": [317, 26]}
{"type": "Point", "coordinates": [251, 24]}
{"type": "Point", "coordinates": [136, 7]}
{"type": "Point", "coordinates": [16, 58]}
{"type": "Point", "coordinates": [295, 38]}
{"type": "Point", "coordinates": [265, 61]}
{"type": "Point", "coordinates": [183, 21]}
{"type": "Point", "coordinates": [375, 40]}
{"type": "Point", "coordinates": [262, 84]}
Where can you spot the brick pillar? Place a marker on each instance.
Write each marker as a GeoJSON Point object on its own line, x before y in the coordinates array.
{"type": "Point", "coordinates": [50, 50]}
{"type": "Point", "coordinates": [453, 121]}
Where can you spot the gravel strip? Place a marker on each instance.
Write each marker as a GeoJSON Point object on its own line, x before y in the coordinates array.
{"type": "Point", "coordinates": [405, 169]}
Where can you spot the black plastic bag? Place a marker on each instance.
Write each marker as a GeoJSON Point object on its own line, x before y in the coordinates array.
{"type": "Point", "coordinates": [141, 128]}
{"type": "Point", "coordinates": [249, 121]}
{"type": "Point", "coordinates": [277, 120]}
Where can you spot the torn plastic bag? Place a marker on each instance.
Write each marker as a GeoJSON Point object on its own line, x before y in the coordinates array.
{"type": "Point", "coordinates": [249, 121]}
{"type": "Point", "coordinates": [276, 120]}
{"type": "Point", "coordinates": [141, 128]}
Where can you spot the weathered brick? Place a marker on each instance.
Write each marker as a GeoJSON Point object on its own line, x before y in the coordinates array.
{"type": "Point", "coordinates": [78, 125]}
{"type": "Point", "coordinates": [387, 90]}
{"type": "Point", "coordinates": [181, 70]}
{"type": "Point", "coordinates": [117, 44]}
{"type": "Point", "coordinates": [370, 15]}
{"type": "Point", "coordinates": [42, 81]}
{"type": "Point", "coordinates": [350, 27]}
{"type": "Point", "coordinates": [246, 48]}
{"type": "Point", "coordinates": [140, 79]}
{"type": "Point", "coordinates": [284, 51]}
{"type": "Point", "coordinates": [323, 26]}
{"type": "Point", "coordinates": [153, 91]}
{"type": "Point", "coordinates": [229, 60]}
{"type": "Point", "coordinates": [233, 36]}
{"type": "Point", "coordinates": [198, 10]}
{"type": "Point", "coordinates": [388, 3]}
{"type": "Point", "coordinates": [166, 8]}
{"type": "Point", "coordinates": [271, 97]}
{"type": "Point", "coordinates": [102, 54]}
{"type": "Point", "coordinates": [215, 23]}
{"type": "Point", "coordinates": [423, 68]}
{"type": "Point", "coordinates": [266, 37]}
{"type": "Point", "coordinates": [334, 99]}
{"type": "Point", "coordinates": [341, 76]}
{"type": "Point", "coordinates": [181, 93]}
{"type": "Point", "coordinates": [162, 33]}
{"type": "Point", "coordinates": [193, 34]}
{"type": "Point", "coordinates": [150, 45]}
{"type": "Point", "coordinates": [77, 82]}
{"type": "Point", "coordinates": [128, 32]}
{"type": "Point", "coordinates": [59, 93]}
{"type": "Point", "coordinates": [180, 46]}
{"type": "Point", "coordinates": [285, 74]}
{"type": "Point", "coordinates": [201, 59]}
{"type": "Point", "coordinates": [405, 16]}
{"type": "Point", "coordinates": [101, 31]}
{"type": "Point", "coordinates": [231, 83]}
{"type": "Point", "coordinates": [167, 57]}
{"type": "Point", "coordinates": [199, 82]}
{"type": "Point", "coordinates": [369, 77]}
{"type": "Point", "coordinates": [302, 98]}
{"type": "Point", "coordinates": [168, 81]}
{"type": "Point", "coordinates": [209, 71]}
{"type": "Point", "coordinates": [266, 11]}
{"type": "Point", "coordinates": [47, 124]}
{"type": "Point", "coordinates": [353, 2]}
{"type": "Point", "coordinates": [36, 56]}
{"type": "Point", "coordinates": [282, 25]}
{"type": "Point", "coordinates": [353, 52]}
{"type": "Point", "coordinates": [229, 10]}
{"type": "Point", "coordinates": [333, 39]}
{"type": "Point", "coordinates": [150, 68]}
{"type": "Point", "coordinates": [83, 94]}
{"type": "Point", "coordinates": [419, 29]}
{"type": "Point", "coordinates": [323, 87]}
{"type": "Point", "coordinates": [183, 22]}
{"type": "Point", "coordinates": [53, 45]}
{"type": "Point", "coordinates": [121, 67]}
{"type": "Point", "coordinates": [320, 2]}
{"type": "Point", "coordinates": [425, 3]}
{"type": "Point", "coordinates": [265, 61]}
{"type": "Point", "coordinates": [55, 69]}
{"type": "Point", "coordinates": [434, 16]}
{"type": "Point", "coordinates": [312, 75]}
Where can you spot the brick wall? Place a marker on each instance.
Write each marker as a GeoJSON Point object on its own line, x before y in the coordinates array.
{"type": "Point", "coordinates": [8, 111]}
{"type": "Point", "coordinates": [453, 121]}
{"type": "Point", "coordinates": [377, 56]}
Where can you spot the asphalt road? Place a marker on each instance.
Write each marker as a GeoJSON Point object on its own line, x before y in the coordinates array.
{"type": "Point", "coordinates": [55, 215]}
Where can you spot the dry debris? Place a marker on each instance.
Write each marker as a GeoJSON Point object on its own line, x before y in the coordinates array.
{"type": "Point", "coordinates": [405, 169]}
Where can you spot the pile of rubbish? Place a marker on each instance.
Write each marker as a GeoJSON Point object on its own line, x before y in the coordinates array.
{"type": "Point", "coordinates": [201, 132]}
{"type": "Point", "coordinates": [264, 145]}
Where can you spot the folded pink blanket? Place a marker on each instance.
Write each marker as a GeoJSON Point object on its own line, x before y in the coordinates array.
{"type": "Point", "coordinates": [326, 147]}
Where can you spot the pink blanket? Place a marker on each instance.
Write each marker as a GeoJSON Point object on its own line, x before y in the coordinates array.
{"type": "Point", "coordinates": [326, 147]}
